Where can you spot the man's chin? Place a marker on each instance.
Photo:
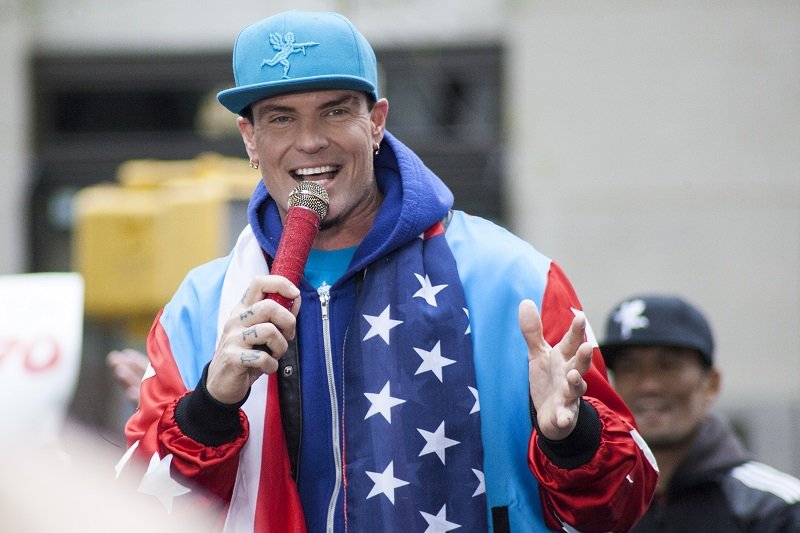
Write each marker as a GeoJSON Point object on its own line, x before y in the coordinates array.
{"type": "Point", "coordinates": [662, 440]}
{"type": "Point", "coordinates": [659, 443]}
{"type": "Point", "coordinates": [328, 224]}
{"type": "Point", "coordinates": [656, 430]}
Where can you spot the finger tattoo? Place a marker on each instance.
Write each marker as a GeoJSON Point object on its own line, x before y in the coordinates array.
{"type": "Point", "coordinates": [249, 357]}
{"type": "Point", "coordinates": [247, 313]}
{"type": "Point", "coordinates": [244, 296]}
{"type": "Point", "coordinates": [249, 332]}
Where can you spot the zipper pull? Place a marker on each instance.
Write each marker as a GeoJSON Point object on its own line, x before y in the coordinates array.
{"type": "Point", "coordinates": [324, 292]}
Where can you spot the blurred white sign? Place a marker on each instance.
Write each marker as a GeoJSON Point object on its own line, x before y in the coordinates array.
{"type": "Point", "coordinates": [41, 335]}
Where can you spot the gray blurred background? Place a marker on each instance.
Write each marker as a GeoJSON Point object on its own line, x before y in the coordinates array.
{"type": "Point", "coordinates": [645, 146]}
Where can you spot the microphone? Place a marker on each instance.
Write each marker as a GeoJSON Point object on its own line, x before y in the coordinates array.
{"type": "Point", "coordinates": [308, 205]}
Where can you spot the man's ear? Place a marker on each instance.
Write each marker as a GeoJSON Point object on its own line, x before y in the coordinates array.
{"type": "Point", "coordinates": [713, 385]}
{"type": "Point", "coordinates": [378, 116]}
{"type": "Point", "coordinates": [248, 135]}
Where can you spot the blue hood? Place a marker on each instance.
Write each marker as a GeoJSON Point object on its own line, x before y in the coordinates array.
{"type": "Point", "coordinates": [414, 199]}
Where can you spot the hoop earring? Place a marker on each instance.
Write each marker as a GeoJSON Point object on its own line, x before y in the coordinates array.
{"type": "Point", "coordinates": [254, 164]}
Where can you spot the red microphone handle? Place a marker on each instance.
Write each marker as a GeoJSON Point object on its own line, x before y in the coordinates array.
{"type": "Point", "coordinates": [299, 232]}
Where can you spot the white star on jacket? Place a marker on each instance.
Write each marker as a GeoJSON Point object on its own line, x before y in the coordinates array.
{"type": "Point", "coordinates": [385, 483]}
{"type": "Point", "coordinates": [380, 325]}
{"type": "Point", "coordinates": [436, 442]}
{"type": "Point", "coordinates": [158, 482]}
{"type": "Point", "coordinates": [438, 523]}
{"type": "Point", "coordinates": [481, 483]}
{"type": "Point", "coordinates": [477, 406]}
{"type": "Point", "coordinates": [125, 458]}
{"type": "Point", "coordinates": [427, 291]}
{"type": "Point", "coordinates": [382, 403]}
{"type": "Point", "coordinates": [432, 361]}
{"type": "Point", "coordinates": [149, 372]}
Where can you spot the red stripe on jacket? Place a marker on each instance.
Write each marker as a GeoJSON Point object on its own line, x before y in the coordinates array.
{"type": "Point", "coordinates": [624, 473]}
{"type": "Point", "coordinates": [212, 469]}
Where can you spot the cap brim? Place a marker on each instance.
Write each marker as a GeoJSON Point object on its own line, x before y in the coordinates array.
{"type": "Point", "coordinates": [611, 350]}
{"type": "Point", "coordinates": [239, 98]}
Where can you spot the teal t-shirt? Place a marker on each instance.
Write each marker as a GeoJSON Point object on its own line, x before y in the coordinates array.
{"type": "Point", "coordinates": [327, 265]}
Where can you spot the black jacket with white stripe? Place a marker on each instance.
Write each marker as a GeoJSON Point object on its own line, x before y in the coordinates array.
{"type": "Point", "coordinates": [718, 488]}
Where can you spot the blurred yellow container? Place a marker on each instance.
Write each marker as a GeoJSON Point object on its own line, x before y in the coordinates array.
{"type": "Point", "coordinates": [134, 242]}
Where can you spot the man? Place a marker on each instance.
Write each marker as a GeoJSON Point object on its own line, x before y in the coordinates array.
{"type": "Point", "coordinates": [661, 351]}
{"type": "Point", "coordinates": [413, 352]}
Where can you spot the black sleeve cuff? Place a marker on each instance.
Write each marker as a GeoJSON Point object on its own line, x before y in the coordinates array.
{"type": "Point", "coordinates": [207, 420]}
{"type": "Point", "coordinates": [580, 446]}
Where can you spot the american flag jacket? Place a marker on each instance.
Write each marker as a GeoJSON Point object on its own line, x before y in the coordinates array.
{"type": "Point", "coordinates": [280, 462]}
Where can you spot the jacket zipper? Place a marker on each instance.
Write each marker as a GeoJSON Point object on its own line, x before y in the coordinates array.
{"type": "Point", "coordinates": [324, 299]}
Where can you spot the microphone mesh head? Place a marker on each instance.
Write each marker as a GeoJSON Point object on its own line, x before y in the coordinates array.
{"type": "Point", "coordinates": [310, 195]}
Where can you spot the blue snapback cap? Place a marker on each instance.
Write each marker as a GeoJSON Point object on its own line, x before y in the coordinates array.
{"type": "Point", "coordinates": [298, 51]}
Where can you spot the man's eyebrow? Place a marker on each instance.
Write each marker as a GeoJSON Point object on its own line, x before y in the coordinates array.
{"type": "Point", "coordinates": [272, 108]}
{"type": "Point", "coordinates": [346, 99]}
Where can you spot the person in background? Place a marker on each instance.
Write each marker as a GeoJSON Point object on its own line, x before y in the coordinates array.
{"type": "Point", "coordinates": [660, 350]}
{"type": "Point", "coordinates": [128, 367]}
{"type": "Point", "coordinates": [432, 371]}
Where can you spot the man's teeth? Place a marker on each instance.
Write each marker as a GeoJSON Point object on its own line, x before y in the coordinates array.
{"type": "Point", "coordinates": [314, 170]}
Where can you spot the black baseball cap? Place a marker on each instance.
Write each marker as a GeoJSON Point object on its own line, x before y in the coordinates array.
{"type": "Point", "coordinates": [657, 320]}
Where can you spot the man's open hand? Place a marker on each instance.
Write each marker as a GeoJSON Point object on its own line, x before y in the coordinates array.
{"type": "Point", "coordinates": [555, 373]}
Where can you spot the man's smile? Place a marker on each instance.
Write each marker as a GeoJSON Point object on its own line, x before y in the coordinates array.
{"type": "Point", "coordinates": [315, 173]}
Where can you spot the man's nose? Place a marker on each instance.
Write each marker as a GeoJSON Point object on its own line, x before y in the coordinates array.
{"type": "Point", "coordinates": [650, 379]}
{"type": "Point", "coordinates": [310, 138]}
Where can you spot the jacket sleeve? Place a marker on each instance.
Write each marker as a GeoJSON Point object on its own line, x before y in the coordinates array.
{"type": "Point", "coordinates": [785, 518]}
{"type": "Point", "coordinates": [155, 427]}
{"type": "Point", "coordinates": [602, 477]}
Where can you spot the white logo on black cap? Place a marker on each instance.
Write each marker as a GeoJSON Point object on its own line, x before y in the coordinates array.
{"type": "Point", "coordinates": [629, 317]}
{"type": "Point", "coordinates": [285, 46]}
